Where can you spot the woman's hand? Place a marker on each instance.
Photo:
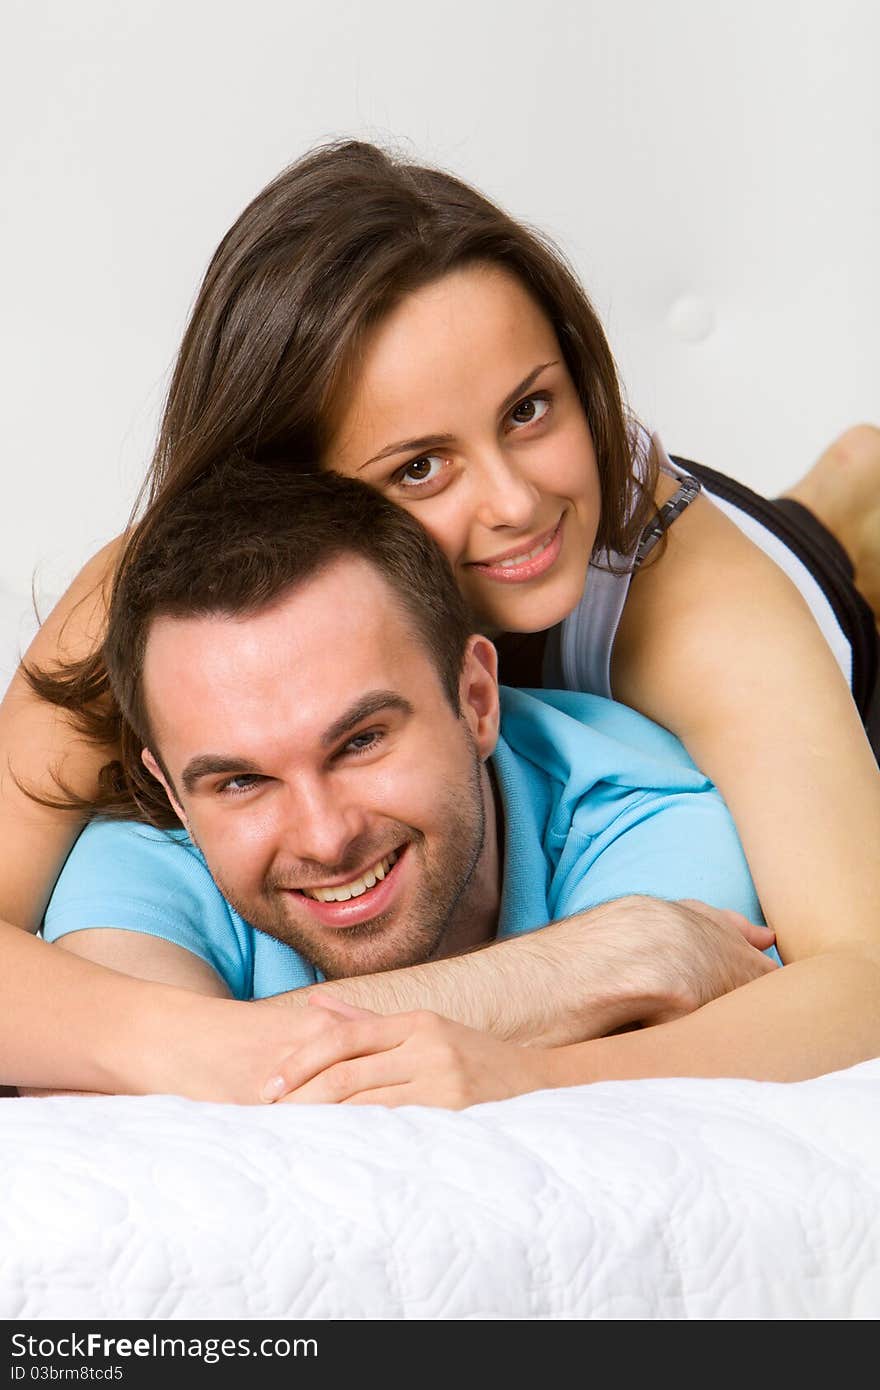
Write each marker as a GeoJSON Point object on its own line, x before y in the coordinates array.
{"type": "Point", "coordinates": [357, 1057]}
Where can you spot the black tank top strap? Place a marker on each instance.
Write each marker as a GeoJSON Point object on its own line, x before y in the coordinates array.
{"type": "Point", "coordinates": [680, 499]}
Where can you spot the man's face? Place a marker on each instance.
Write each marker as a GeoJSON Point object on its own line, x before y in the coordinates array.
{"type": "Point", "coordinates": [340, 802]}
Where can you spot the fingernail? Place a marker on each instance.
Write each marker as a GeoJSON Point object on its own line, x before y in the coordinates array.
{"type": "Point", "coordinates": [273, 1088]}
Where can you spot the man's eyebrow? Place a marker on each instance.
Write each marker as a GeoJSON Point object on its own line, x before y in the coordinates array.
{"type": "Point", "coordinates": [433, 441]}
{"type": "Point", "coordinates": [372, 703]}
{"type": "Point", "coordinates": [210, 764]}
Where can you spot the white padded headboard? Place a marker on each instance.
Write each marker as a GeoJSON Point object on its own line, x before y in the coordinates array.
{"type": "Point", "coordinates": [710, 169]}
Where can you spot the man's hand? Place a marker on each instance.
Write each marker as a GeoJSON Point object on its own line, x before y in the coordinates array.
{"type": "Point", "coordinates": [707, 951]}
{"type": "Point", "coordinates": [755, 934]}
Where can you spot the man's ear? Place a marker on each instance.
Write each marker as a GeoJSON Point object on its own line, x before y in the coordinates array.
{"type": "Point", "coordinates": [153, 767]}
{"type": "Point", "coordinates": [478, 693]}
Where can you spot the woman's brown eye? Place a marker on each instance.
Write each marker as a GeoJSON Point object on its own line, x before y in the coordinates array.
{"type": "Point", "coordinates": [419, 469]}
{"type": "Point", "coordinates": [524, 412]}
{"type": "Point", "coordinates": [529, 410]}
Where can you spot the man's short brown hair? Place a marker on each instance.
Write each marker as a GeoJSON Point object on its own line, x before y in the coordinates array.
{"type": "Point", "coordinates": [242, 538]}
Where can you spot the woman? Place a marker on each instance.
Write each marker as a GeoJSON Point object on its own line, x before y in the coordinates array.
{"type": "Point", "coordinates": [388, 322]}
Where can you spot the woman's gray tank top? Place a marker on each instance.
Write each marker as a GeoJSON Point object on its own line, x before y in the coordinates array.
{"type": "Point", "coordinates": [577, 655]}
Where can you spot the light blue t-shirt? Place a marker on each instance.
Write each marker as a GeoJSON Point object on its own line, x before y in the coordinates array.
{"type": "Point", "coordinates": [598, 801]}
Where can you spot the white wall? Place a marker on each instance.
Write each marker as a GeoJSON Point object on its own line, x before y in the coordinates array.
{"type": "Point", "coordinates": [710, 167]}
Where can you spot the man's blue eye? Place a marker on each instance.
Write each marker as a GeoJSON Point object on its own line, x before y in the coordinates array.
{"type": "Point", "coordinates": [242, 783]}
{"type": "Point", "coordinates": [361, 742]}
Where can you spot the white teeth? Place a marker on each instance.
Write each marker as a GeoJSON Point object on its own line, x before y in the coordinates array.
{"type": "Point", "coordinates": [343, 891]}
{"type": "Point", "coordinates": [523, 559]}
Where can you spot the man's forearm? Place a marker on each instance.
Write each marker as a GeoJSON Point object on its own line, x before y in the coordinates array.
{"type": "Point", "coordinates": [817, 1015]}
{"type": "Point", "coordinates": [575, 979]}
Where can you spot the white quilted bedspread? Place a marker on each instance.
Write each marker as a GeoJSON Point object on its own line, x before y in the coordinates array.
{"type": "Point", "coordinates": [662, 1199]}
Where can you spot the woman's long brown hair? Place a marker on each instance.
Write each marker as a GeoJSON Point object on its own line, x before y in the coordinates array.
{"type": "Point", "coordinates": [275, 336]}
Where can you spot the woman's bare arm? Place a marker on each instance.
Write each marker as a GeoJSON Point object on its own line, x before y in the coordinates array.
{"type": "Point", "coordinates": [98, 1030]}
{"type": "Point", "coordinates": [145, 958]}
{"type": "Point", "coordinates": [717, 644]}
{"type": "Point", "coordinates": [35, 738]}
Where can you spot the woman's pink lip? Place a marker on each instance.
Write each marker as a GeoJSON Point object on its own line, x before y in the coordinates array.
{"type": "Point", "coordinates": [354, 911]}
{"type": "Point", "coordinates": [529, 569]}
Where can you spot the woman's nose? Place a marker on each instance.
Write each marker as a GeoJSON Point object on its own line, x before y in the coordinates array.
{"type": "Point", "coordinates": [506, 497]}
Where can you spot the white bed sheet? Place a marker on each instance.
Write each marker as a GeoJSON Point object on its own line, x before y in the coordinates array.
{"type": "Point", "coordinates": [663, 1199]}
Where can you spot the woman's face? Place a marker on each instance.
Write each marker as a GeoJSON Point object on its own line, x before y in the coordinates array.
{"type": "Point", "coordinates": [465, 414]}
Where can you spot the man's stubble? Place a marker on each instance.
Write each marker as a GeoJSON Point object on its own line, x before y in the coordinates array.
{"type": "Point", "coordinates": [391, 941]}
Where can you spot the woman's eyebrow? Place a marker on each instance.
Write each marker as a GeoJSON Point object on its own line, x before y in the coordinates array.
{"type": "Point", "coordinates": [523, 387]}
{"type": "Point", "coordinates": [409, 446]}
{"type": "Point", "coordinates": [433, 441]}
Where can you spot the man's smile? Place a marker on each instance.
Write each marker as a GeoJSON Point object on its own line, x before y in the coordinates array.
{"type": "Point", "coordinates": [341, 892]}
{"type": "Point", "coordinates": [359, 899]}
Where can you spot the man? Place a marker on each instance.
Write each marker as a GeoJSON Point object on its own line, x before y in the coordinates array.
{"type": "Point", "coordinates": [297, 664]}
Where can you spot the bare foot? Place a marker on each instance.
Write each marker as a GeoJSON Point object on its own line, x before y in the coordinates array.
{"type": "Point", "coordinates": [842, 489]}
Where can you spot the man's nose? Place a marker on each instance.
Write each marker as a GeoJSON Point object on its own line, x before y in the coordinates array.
{"type": "Point", "coordinates": [506, 496]}
{"type": "Point", "coordinates": [321, 823]}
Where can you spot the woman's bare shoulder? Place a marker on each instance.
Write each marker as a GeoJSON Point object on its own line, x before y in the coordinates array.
{"type": "Point", "coordinates": [717, 644]}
